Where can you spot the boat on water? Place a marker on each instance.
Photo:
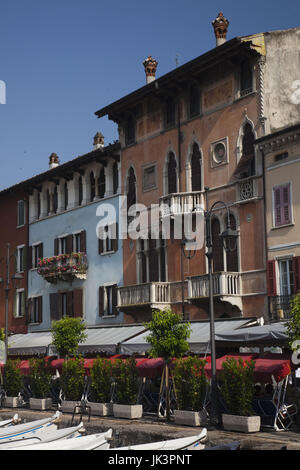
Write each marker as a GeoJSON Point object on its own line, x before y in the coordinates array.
{"type": "Point", "coordinates": [32, 428]}
{"type": "Point", "coordinates": [181, 443]}
{"type": "Point", "coordinates": [10, 422]}
{"type": "Point", "coordinates": [52, 435]}
{"type": "Point", "coordinates": [89, 442]}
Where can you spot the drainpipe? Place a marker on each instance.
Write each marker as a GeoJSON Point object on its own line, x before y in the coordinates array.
{"type": "Point", "coordinates": [180, 190]}
{"type": "Point", "coordinates": [265, 218]}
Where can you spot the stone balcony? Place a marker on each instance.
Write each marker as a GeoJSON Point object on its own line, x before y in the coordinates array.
{"type": "Point", "coordinates": [226, 287]}
{"type": "Point", "coordinates": [181, 203]}
{"type": "Point", "coordinates": [150, 294]}
{"type": "Point", "coordinates": [63, 267]}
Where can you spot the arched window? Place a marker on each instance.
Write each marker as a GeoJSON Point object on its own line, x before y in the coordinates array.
{"type": "Point", "coordinates": [38, 204]}
{"type": "Point", "coordinates": [101, 183]}
{"type": "Point", "coordinates": [194, 101]}
{"type": "Point", "coordinates": [151, 255]}
{"type": "Point", "coordinates": [232, 256]}
{"type": "Point", "coordinates": [130, 130]}
{"type": "Point", "coordinates": [217, 248]}
{"type": "Point", "coordinates": [66, 195]}
{"type": "Point", "coordinates": [248, 149]}
{"type": "Point", "coordinates": [172, 174]}
{"type": "Point", "coordinates": [80, 191]}
{"type": "Point", "coordinates": [48, 201]}
{"type": "Point", "coordinates": [55, 200]}
{"type": "Point", "coordinates": [131, 188]}
{"type": "Point", "coordinates": [196, 168]}
{"type": "Point", "coordinates": [115, 177]}
{"type": "Point", "coordinates": [92, 186]}
{"type": "Point", "coordinates": [170, 112]}
{"type": "Point", "coordinates": [246, 78]}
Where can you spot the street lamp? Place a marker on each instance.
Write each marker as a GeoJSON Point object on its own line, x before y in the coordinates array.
{"type": "Point", "coordinates": [229, 238]}
{"type": "Point", "coordinates": [15, 278]}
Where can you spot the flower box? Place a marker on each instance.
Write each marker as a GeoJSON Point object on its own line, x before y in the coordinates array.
{"type": "Point", "coordinates": [40, 403]}
{"type": "Point", "coordinates": [241, 423]}
{"type": "Point", "coordinates": [190, 418]}
{"type": "Point", "coordinates": [12, 402]}
{"type": "Point", "coordinates": [101, 409]}
{"type": "Point", "coordinates": [127, 411]}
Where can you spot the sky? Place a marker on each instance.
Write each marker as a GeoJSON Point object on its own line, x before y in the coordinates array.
{"type": "Point", "coordinates": [62, 60]}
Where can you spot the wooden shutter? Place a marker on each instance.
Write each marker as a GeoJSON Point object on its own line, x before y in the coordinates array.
{"type": "Point", "coordinates": [56, 247]}
{"type": "Point", "coordinates": [70, 304]}
{"type": "Point", "coordinates": [115, 236]}
{"type": "Point", "coordinates": [114, 299]}
{"type": "Point", "coordinates": [29, 311]}
{"type": "Point", "coordinates": [271, 278]}
{"type": "Point", "coordinates": [100, 246]}
{"type": "Point", "coordinates": [55, 308]}
{"type": "Point", "coordinates": [41, 250]}
{"type": "Point", "coordinates": [101, 300]}
{"type": "Point", "coordinates": [29, 257]}
{"type": "Point", "coordinates": [25, 257]}
{"type": "Point", "coordinates": [83, 241]}
{"type": "Point", "coordinates": [282, 205]}
{"type": "Point", "coordinates": [77, 303]}
{"type": "Point", "coordinates": [69, 244]}
{"type": "Point", "coordinates": [40, 309]}
{"type": "Point", "coordinates": [296, 271]}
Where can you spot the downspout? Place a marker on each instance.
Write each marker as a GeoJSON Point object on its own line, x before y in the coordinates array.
{"type": "Point", "coordinates": [265, 220]}
{"type": "Point", "coordinates": [180, 190]}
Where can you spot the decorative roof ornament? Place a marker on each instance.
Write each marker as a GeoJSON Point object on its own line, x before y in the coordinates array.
{"type": "Point", "coordinates": [98, 141]}
{"type": "Point", "coordinates": [150, 65]}
{"type": "Point", "coordinates": [220, 25]}
{"type": "Point", "coordinates": [53, 160]}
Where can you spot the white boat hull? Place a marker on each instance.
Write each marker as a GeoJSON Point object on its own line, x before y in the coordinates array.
{"type": "Point", "coordinates": [172, 444]}
{"type": "Point", "coordinates": [10, 422]}
{"type": "Point", "coordinates": [31, 429]}
{"type": "Point", "coordinates": [89, 442]}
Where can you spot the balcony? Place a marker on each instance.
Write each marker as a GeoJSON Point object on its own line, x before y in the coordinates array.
{"type": "Point", "coordinates": [247, 190]}
{"type": "Point", "coordinates": [280, 307]}
{"type": "Point", "coordinates": [226, 287]}
{"type": "Point", "coordinates": [151, 294]}
{"type": "Point", "coordinates": [64, 267]}
{"type": "Point", "coordinates": [181, 203]}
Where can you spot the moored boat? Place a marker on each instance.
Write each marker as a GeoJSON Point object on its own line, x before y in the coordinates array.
{"type": "Point", "coordinates": [89, 442]}
{"type": "Point", "coordinates": [32, 428]}
{"type": "Point", "coordinates": [171, 444]}
{"type": "Point", "coordinates": [10, 422]}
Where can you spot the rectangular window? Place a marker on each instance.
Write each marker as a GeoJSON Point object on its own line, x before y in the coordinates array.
{"type": "Point", "coordinates": [149, 177]}
{"type": "Point", "coordinates": [20, 259]}
{"type": "Point", "coordinates": [286, 276]}
{"type": "Point", "coordinates": [281, 156]}
{"type": "Point", "coordinates": [19, 303]}
{"type": "Point", "coordinates": [108, 239]}
{"type": "Point", "coordinates": [77, 243]}
{"type": "Point", "coordinates": [282, 208]}
{"type": "Point", "coordinates": [63, 245]}
{"type": "Point", "coordinates": [37, 252]}
{"type": "Point", "coordinates": [35, 309]}
{"type": "Point", "coordinates": [21, 213]}
{"type": "Point", "coordinates": [108, 300]}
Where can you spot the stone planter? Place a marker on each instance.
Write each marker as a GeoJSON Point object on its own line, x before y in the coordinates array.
{"type": "Point", "coordinates": [40, 403]}
{"type": "Point", "coordinates": [101, 409]}
{"type": "Point", "coordinates": [12, 402]}
{"type": "Point", "coordinates": [190, 418]}
{"type": "Point", "coordinates": [241, 423]}
{"type": "Point", "coordinates": [127, 411]}
{"type": "Point", "coordinates": [68, 406]}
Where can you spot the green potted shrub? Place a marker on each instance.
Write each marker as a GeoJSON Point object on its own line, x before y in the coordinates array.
{"type": "Point", "coordinates": [72, 383]}
{"type": "Point", "coordinates": [237, 391]}
{"type": "Point", "coordinates": [13, 383]}
{"type": "Point", "coordinates": [191, 385]}
{"type": "Point", "coordinates": [40, 377]}
{"type": "Point", "coordinates": [125, 375]}
{"type": "Point", "coordinates": [100, 387]}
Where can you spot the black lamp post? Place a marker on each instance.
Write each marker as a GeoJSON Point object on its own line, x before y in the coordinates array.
{"type": "Point", "coordinates": [15, 278]}
{"type": "Point", "coordinates": [229, 237]}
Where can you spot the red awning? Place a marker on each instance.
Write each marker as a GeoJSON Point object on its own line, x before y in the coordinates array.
{"type": "Point", "coordinates": [266, 366]}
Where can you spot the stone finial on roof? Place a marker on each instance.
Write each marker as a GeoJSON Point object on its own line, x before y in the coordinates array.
{"type": "Point", "coordinates": [98, 141]}
{"type": "Point", "coordinates": [220, 25]}
{"type": "Point", "coordinates": [150, 65]}
{"type": "Point", "coordinates": [53, 160]}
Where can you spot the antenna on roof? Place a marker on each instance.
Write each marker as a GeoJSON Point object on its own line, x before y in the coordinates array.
{"type": "Point", "coordinates": [177, 60]}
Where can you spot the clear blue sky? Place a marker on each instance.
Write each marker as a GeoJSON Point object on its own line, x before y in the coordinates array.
{"type": "Point", "coordinates": [62, 60]}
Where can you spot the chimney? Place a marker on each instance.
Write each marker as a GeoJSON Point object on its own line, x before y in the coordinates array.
{"type": "Point", "coordinates": [150, 65]}
{"type": "Point", "coordinates": [98, 141]}
{"type": "Point", "coordinates": [53, 160]}
{"type": "Point", "coordinates": [220, 25]}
